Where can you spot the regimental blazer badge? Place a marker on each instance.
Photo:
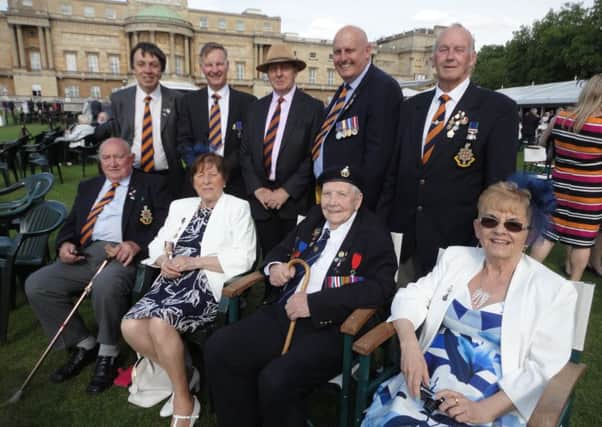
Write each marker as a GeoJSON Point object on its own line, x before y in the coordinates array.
{"type": "Point", "coordinates": [146, 216]}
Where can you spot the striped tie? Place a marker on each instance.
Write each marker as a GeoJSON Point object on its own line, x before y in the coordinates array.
{"type": "Point", "coordinates": [215, 124]}
{"type": "Point", "coordinates": [332, 116]}
{"type": "Point", "coordinates": [147, 152]}
{"type": "Point", "coordinates": [435, 129]}
{"type": "Point", "coordinates": [310, 255]}
{"type": "Point", "coordinates": [86, 233]}
{"type": "Point", "coordinates": [270, 137]}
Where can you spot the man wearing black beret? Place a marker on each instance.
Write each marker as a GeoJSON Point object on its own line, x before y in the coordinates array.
{"type": "Point", "coordinates": [352, 263]}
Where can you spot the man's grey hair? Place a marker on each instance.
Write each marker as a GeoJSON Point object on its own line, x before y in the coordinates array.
{"type": "Point", "coordinates": [462, 27]}
{"type": "Point", "coordinates": [123, 142]}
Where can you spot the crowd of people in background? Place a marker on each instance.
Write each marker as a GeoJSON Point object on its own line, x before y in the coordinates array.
{"type": "Point", "coordinates": [436, 168]}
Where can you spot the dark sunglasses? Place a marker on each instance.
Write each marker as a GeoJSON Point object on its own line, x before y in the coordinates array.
{"type": "Point", "coordinates": [511, 226]}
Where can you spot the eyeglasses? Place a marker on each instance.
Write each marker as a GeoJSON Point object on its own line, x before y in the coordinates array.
{"type": "Point", "coordinates": [511, 226]}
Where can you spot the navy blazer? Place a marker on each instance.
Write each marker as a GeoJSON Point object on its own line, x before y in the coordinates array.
{"type": "Point", "coordinates": [193, 132]}
{"type": "Point", "coordinates": [375, 103]}
{"type": "Point", "coordinates": [145, 192]}
{"type": "Point", "coordinates": [433, 205]}
{"type": "Point", "coordinates": [293, 166]}
{"type": "Point", "coordinates": [124, 112]}
{"type": "Point", "coordinates": [366, 252]}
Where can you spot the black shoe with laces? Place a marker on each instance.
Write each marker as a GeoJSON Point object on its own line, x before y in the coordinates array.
{"type": "Point", "coordinates": [104, 374]}
{"type": "Point", "coordinates": [78, 359]}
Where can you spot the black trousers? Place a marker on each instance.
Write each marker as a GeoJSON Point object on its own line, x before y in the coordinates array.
{"type": "Point", "coordinates": [252, 384]}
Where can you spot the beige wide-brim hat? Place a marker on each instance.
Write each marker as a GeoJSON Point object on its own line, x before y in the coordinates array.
{"type": "Point", "coordinates": [280, 53]}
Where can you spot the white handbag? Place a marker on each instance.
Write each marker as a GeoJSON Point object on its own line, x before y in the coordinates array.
{"type": "Point", "coordinates": [150, 384]}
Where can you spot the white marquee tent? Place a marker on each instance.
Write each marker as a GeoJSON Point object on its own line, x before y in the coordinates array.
{"type": "Point", "coordinates": [552, 94]}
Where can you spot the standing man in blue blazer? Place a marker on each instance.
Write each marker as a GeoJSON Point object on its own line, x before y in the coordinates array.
{"type": "Point", "coordinates": [145, 115]}
{"type": "Point", "coordinates": [213, 118]}
{"type": "Point", "coordinates": [360, 123]}
{"type": "Point", "coordinates": [454, 141]}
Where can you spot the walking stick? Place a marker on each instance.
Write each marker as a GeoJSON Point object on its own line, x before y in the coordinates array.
{"type": "Point", "coordinates": [17, 396]}
{"type": "Point", "coordinates": [291, 326]}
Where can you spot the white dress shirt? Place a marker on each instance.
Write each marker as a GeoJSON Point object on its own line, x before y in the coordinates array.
{"type": "Point", "coordinates": [108, 223]}
{"type": "Point", "coordinates": [454, 97]}
{"type": "Point", "coordinates": [320, 267]}
{"type": "Point", "coordinates": [284, 109]}
{"type": "Point", "coordinates": [223, 103]}
{"type": "Point", "coordinates": [155, 107]}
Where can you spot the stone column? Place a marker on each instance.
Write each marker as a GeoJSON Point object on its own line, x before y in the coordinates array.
{"type": "Point", "coordinates": [187, 56]}
{"type": "Point", "coordinates": [13, 46]}
{"type": "Point", "coordinates": [49, 48]}
{"type": "Point", "coordinates": [128, 48]}
{"type": "Point", "coordinates": [42, 48]}
{"type": "Point", "coordinates": [22, 60]}
{"type": "Point", "coordinates": [134, 38]}
{"type": "Point", "coordinates": [172, 55]}
{"type": "Point", "coordinates": [152, 36]}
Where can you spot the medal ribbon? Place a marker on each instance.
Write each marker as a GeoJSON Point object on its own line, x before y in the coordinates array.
{"type": "Point", "coordinates": [435, 129]}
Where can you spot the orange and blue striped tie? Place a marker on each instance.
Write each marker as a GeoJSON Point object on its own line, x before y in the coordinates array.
{"type": "Point", "coordinates": [435, 129]}
{"type": "Point", "coordinates": [270, 137]}
{"type": "Point", "coordinates": [147, 152]}
{"type": "Point", "coordinates": [215, 124]}
{"type": "Point", "coordinates": [86, 233]}
{"type": "Point", "coordinates": [332, 116]}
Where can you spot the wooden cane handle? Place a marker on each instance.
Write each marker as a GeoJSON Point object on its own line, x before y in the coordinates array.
{"type": "Point", "coordinates": [291, 326]}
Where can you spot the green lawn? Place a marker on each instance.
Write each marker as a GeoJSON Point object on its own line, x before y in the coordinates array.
{"type": "Point", "coordinates": [47, 404]}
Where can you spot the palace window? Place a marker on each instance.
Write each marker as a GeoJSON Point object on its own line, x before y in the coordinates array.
{"type": "Point", "coordinates": [179, 65]}
{"type": "Point", "coordinates": [66, 9]}
{"type": "Point", "coordinates": [95, 92]}
{"type": "Point", "coordinates": [240, 26]}
{"type": "Point", "coordinates": [93, 63]}
{"type": "Point", "coordinates": [221, 24]}
{"type": "Point", "coordinates": [110, 13]}
{"type": "Point", "coordinates": [267, 27]}
{"type": "Point", "coordinates": [240, 71]}
{"type": "Point", "coordinates": [71, 61]}
{"type": "Point", "coordinates": [35, 61]}
{"type": "Point", "coordinates": [72, 91]}
{"type": "Point", "coordinates": [114, 64]}
{"type": "Point", "coordinates": [27, 3]}
{"type": "Point", "coordinates": [89, 12]}
{"type": "Point", "coordinates": [313, 71]}
{"type": "Point", "coordinates": [313, 55]}
{"type": "Point", "coordinates": [204, 22]}
{"type": "Point", "coordinates": [330, 76]}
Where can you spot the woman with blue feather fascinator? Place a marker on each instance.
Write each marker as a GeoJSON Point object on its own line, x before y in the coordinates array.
{"type": "Point", "coordinates": [496, 325]}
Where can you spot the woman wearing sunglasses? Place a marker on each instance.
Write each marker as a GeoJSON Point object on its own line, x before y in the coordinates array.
{"type": "Point", "coordinates": [496, 324]}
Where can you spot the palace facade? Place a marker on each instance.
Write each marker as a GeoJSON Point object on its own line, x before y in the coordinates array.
{"type": "Point", "coordinates": [80, 48]}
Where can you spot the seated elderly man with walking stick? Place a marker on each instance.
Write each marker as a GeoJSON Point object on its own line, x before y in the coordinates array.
{"type": "Point", "coordinates": [352, 265]}
{"type": "Point", "coordinates": [113, 216]}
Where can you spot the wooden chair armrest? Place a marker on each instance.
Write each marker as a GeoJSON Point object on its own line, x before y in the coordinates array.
{"type": "Point", "coordinates": [366, 344]}
{"type": "Point", "coordinates": [237, 287]}
{"type": "Point", "coordinates": [356, 320]}
{"type": "Point", "coordinates": [555, 397]}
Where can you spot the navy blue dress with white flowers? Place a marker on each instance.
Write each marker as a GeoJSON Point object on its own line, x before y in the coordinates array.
{"type": "Point", "coordinates": [185, 302]}
{"type": "Point", "coordinates": [464, 357]}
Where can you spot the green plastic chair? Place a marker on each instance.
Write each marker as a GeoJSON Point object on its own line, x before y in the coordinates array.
{"type": "Point", "coordinates": [28, 252]}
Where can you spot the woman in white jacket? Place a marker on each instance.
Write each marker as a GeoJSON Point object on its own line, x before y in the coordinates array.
{"type": "Point", "coordinates": [205, 241]}
{"type": "Point", "coordinates": [496, 324]}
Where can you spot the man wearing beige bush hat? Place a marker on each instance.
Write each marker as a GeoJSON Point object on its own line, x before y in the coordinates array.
{"type": "Point", "coordinates": [275, 151]}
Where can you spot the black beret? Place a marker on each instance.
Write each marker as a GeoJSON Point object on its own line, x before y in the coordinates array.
{"type": "Point", "coordinates": [342, 174]}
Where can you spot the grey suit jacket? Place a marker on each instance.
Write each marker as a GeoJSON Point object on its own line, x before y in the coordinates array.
{"type": "Point", "coordinates": [124, 110]}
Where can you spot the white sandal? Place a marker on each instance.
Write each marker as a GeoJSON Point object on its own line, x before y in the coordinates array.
{"type": "Point", "coordinates": [196, 411]}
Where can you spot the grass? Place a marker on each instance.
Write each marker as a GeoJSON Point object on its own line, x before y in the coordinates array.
{"type": "Point", "coordinates": [67, 404]}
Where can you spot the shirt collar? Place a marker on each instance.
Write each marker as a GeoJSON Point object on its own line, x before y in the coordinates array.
{"type": "Point", "coordinates": [155, 94]}
{"type": "Point", "coordinates": [456, 93]}
{"type": "Point", "coordinates": [342, 229]}
{"type": "Point", "coordinates": [288, 97]}
{"type": "Point", "coordinates": [355, 83]}
{"type": "Point", "coordinates": [223, 92]}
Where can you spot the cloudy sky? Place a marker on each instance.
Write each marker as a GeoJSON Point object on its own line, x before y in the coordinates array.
{"type": "Point", "coordinates": [492, 22]}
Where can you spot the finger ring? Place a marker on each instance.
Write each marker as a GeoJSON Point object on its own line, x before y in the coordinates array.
{"type": "Point", "coordinates": [456, 401]}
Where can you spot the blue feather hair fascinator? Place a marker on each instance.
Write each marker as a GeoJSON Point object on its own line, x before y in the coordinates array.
{"type": "Point", "coordinates": [543, 202]}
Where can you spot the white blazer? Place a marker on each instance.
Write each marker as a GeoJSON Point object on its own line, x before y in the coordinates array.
{"type": "Point", "coordinates": [230, 235]}
{"type": "Point", "coordinates": [537, 323]}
